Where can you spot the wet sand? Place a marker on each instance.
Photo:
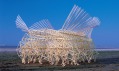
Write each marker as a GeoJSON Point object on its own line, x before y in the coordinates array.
{"type": "Point", "coordinates": [106, 61]}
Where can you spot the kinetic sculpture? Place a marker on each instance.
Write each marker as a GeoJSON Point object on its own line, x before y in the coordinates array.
{"type": "Point", "coordinates": [71, 44]}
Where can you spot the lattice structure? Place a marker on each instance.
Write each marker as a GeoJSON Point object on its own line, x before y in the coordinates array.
{"type": "Point", "coordinates": [71, 44]}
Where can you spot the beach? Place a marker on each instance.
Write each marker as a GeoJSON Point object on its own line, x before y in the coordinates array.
{"type": "Point", "coordinates": [106, 61]}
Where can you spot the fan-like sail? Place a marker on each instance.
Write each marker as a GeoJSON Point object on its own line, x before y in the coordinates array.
{"type": "Point", "coordinates": [43, 24]}
{"type": "Point", "coordinates": [87, 28]}
{"type": "Point", "coordinates": [80, 21]}
{"type": "Point", "coordinates": [20, 24]}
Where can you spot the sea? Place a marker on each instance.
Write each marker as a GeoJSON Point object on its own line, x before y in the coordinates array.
{"type": "Point", "coordinates": [13, 48]}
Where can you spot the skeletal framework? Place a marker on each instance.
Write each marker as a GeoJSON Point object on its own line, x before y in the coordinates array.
{"type": "Point", "coordinates": [71, 44]}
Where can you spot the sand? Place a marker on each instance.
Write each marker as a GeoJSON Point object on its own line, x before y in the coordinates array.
{"type": "Point", "coordinates": [106, 61]}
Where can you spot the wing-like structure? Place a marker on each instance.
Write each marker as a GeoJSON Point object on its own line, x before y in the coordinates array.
{"type": "Point", "coordinates": [80, 21]}
{"type": "Point", "coordinates": [20, 24]}
{"type": "Point", "coordinates": [43, 24]}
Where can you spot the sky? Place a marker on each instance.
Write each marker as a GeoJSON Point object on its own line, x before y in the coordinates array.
{"type": "Point", "coordinates": [104, 36]}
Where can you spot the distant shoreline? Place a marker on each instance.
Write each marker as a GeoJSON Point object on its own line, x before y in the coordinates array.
{"type": "Point", "coordinates": [115, 49]}
{"type": "Point", "coordinates": [7, 49]}
{"type": "Point", "coordinates": [14, 49]}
